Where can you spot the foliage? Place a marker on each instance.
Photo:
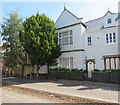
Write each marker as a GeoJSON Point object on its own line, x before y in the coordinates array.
{"type": "Point", "coordinates": [117, 70]}
{"type": "Point", "coordinates": [85, 71]}
{"type": "Point", "coordinates": [77, 70]}
{"type": "Point", "coordinates": [66, 70]}
{"type": "Point", "coordinates": [11, 26]}
{"type": "Point", "coordinates": [60, 69]}
{"type": "Point", "coordinates": [39, 40]}
{"type": "Point", "coordinates": [105, 71]}
{"type": "Point", "coordinates": [99, 71]}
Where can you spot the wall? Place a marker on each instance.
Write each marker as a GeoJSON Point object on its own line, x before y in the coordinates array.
{"type": "Point", "coordinates": [99, 47]}
{"type": "Point", "coordinates": [77, 58]}
{"type": "Point", "coordinates": [66, 18]}
{"type": "Point", "coordinates": [77, 38]}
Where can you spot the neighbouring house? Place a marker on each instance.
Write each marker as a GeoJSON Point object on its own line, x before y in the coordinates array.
{"type": "Point", "coordinates": [90, 45]}
{"type": "Point", "coordinates": [1, 60]}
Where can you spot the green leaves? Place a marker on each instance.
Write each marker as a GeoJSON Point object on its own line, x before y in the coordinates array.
{"type": "Point", "coordinates": [10, 32]}
{"type": "Point", "coordinates": [39, 39]}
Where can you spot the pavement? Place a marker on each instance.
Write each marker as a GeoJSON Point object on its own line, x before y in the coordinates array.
{"type": "Point", "coordinates": [10, 96]}
{"type": "Point", "coordinates": [84, 89]}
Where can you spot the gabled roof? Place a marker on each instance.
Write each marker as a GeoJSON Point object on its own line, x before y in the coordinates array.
{"type": "Point", "coordinates": [118, 17]}
{"type": "Point", "coordinates": [71, 17]}
{"type": "Point", "coordinates": [101, 17]}
{"type": "Point", "coordinates": [69, 12]}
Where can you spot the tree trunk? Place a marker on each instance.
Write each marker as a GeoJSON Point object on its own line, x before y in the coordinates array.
{"type": "Point", "coordinates": [22, 70]}
{"type": "Point", "coordinates": [6, 71]}
{"type": "Point", "coordinates": [48, 71]}
{"type": "Point", "coordinates": [38, 67]}
{"type": "Point", "coordinates": [30, 75]}
{"type": "Point", "coordinates": [31, 72]}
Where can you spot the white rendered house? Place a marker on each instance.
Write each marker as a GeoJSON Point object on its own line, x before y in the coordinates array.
{"type": "Point", "coordinates": [90, 45]}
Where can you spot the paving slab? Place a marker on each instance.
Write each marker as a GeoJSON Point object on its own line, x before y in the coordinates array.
{"type": "Point", "coordinates": [99, 91]}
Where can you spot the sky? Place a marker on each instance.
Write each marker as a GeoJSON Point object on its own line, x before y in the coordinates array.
{"type": "Point", "coordinates": [85, 9]}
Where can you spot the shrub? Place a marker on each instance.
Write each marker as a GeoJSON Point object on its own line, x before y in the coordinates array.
{"type": "Point", "coordinates": [85, 71]}
{"type": "Point", "coordinates": [97, 70]}
{"type": "Point", "coordinates": [64, 69]}
{"type": "Point", "coordinates": [53, 69]}
{"type": "Point", "coordinates": [117, 70]}
{"type": "Point", "coordinates": [106, 71]}
{"type": "Point", "coordinates": [77, 70]}
{"type": "Point", "coordinates": [100, 71]}
{"type": "Point", "coordinates": [60, 69]}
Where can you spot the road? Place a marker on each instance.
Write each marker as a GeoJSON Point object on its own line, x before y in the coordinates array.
{"type": "Point", "coordinates": [29, 91]}
{"type": "Point", "coordinates": [11, 96]}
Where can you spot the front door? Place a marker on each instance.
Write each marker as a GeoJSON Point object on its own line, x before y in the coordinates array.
{"type": "Point", "coordinates": [90, 68]}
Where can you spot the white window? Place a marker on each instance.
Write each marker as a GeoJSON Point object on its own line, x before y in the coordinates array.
{"type": "Point", "coordinates": [110, 35]}
{"type": "Point", "coordinates": [71, 37]}
{"type": "Point", "coordinates": [117, 63]}
{"type": "Point", "coordinates": [107, 39]}
{"type": "Point", "coordinates": [109, 20]}
{"type": "Point", "coordinates": [107, 64]}
{"type": "Point", "coordinates": [65, 38]}
{"type": "Point", "coordinates": [89, 43]}
{"type": "Point", "coordinates": [110, 38]}
{"type": "Point", "coordinates": [66, 62]}
{"type": "Point", "coordinates": [59, 40]}
{"type": "Point", "coordinates": [71, 62]}
{"type": "Point", "coordinates": [60, 62]}
{"type": "Point", "coordinates": [112, 63]}
{"type": "Point", "coordinates": [114, 37]}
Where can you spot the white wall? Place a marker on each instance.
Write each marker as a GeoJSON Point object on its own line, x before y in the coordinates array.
{"type": "Point", "coordinates": [77, 59]}
{"type": "Point", "coordinates": [99, 47]}
{"type": "Point", "coordinates": [95, 25]}
{"type": "Point", "coordinates": [66, 18]}
{"type": "Point", "coordinates": [77, 38]}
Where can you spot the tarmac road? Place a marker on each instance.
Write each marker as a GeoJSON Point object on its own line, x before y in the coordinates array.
{"type": "Point", "coordinates": [60, 88]}
{"type": "Point", "coordinates": [11, 96]}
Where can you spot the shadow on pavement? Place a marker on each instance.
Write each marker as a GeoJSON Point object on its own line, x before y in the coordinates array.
{"type": "Point", "coordinates": [85, 85]}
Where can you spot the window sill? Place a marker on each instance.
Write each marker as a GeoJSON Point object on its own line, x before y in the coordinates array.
{"type": "Point", "coordinates": [111, 43]}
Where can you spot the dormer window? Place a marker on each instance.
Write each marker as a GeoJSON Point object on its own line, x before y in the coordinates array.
{"type": "Point", "coordinates": [109, 21]}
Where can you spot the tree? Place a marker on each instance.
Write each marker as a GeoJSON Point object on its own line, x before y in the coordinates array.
{"type": "Point", "coordinates": [10, 28]}
{"type": "Point", "coordinates": [39, 40]}
{"type": "Point", "coordinates": [55, 53]}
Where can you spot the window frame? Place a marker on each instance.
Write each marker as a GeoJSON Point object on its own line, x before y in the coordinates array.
{"type": "Point", "coordinates": [109, 21]}
{"type": "Point", "coordinates": [66, 38]}
{"type": "Point", "coordinates": [107, 38]}
{"type": "Point", "coordinates": [112, 38]}
{"type": "Point", "coordinates": [62, 64]}
{"type": "Point", "coordinates": [89, 41]}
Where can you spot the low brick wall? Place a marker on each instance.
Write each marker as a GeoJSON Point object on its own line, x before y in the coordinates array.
{"type": "Point", "coordinates": [77, 75]}
{"type": "Point", "coordinates": [101, 77]}
{"type": "Point", "coordinates": [63, 75]}
{"type": "Point", "coordinates": [109, 77]}
{"type": "Point", "coordinates": [42, 76]}
{"type": "Point", "coordinates": [73, 75]}
{"type": "Point", "coordinates": [115, 77]}
{"type": "Point", "coordinates": [52, 75]}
